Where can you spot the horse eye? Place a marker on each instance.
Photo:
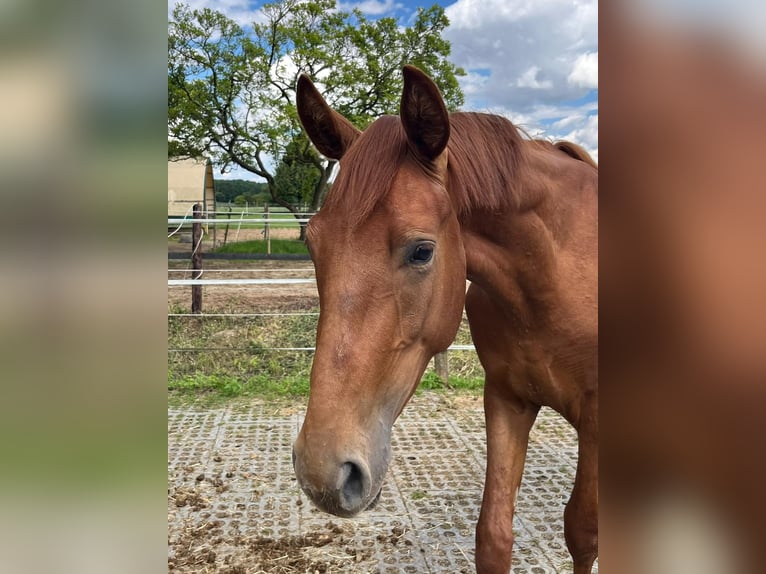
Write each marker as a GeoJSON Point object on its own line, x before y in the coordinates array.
{"type": "Point", "coordinates": [422, 254]}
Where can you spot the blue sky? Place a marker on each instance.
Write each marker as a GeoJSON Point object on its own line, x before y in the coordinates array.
{"type": "Point", "coordinates": [533, 61]}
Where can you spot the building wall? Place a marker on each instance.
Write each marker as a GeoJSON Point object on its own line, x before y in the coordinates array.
{"type": "Point", "coordinates": [189, 182]}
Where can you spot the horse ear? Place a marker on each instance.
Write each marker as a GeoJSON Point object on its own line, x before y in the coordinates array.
{"type": "Point", "coordinates": [330, 132]}
{"type": "Point", "coordinates": [423, 113]}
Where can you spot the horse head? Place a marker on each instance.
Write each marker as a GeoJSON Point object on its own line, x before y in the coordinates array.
{"type": "Point", "coordinates": [391, 275]}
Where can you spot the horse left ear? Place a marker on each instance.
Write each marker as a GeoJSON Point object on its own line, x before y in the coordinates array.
{"type": "Point", "coordinates": [330, 132]}
{"type": "Point", "coordinates": [423, 113]}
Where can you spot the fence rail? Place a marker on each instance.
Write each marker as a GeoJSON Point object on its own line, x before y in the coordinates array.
{"type": "Point", "coordinates": [187, 282]}
{"type": "Point", "coordinates": [204, 221]}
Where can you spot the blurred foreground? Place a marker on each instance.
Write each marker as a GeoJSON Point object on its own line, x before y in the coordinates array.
{"type": "Point", "coordinates": [683, 278]}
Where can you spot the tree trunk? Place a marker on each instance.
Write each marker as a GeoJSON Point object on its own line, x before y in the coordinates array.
{"type": "Point", "coordinates": [302, 234]}
{"type": "Point", "coordinates": [322, 186]}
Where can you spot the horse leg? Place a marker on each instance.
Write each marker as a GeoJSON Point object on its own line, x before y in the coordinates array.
{"type": "Point", "coordinates": [508, 425]}
{"type": "Point", "coordinates": [581, 513]}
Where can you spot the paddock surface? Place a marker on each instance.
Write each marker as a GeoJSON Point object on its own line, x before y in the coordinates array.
{"type": "Point", "coordinates": [234, 506]}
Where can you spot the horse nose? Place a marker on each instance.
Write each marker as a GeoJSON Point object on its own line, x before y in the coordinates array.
{"type": "Point", "coordinates": [353, 486]}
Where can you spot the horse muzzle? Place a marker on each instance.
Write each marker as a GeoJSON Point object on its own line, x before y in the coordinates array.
{"type": "Point", "coordinates": [341, 485]}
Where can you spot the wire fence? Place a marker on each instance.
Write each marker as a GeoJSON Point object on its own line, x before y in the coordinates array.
{"type": "Point", "coordinates": [207, 221]}
{"type": "Point", "coordinates": [262, 282]}
{"type": "Point", "coordinates": [222, 280]}
{"type": "Point", "coordinates": [190, 282]}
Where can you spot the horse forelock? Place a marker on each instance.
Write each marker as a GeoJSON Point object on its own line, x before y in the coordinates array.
{"type": "Point", "coordinates": [367, 170]}
{"type": "Point", "coordinates": [485, 169]}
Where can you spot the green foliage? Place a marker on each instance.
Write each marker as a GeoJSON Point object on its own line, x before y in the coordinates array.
{"type": "Point", "coordinates": [227, 190]}
{"type": "Point", "coordinates": [432, 382]}
{"type": "Point", "coordinates": [231, 89]}
{"type": "Point", "coordinates": [286, 246]}
{"type": "Point", "coordinates": [297, 176]}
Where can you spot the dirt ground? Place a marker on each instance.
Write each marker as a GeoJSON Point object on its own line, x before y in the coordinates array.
{"type": "Point", "coordinates": [246, 298]}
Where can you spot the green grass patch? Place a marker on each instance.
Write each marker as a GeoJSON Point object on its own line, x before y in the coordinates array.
{"type": "Point", "coordinates": [218, 359]}
{"type": "Point", "coordinates": [219, 388]}
{"type": "Point", "coordinates": [212, 389]}
{"type": "Point", "coordinates": [278, 246]}
{"type": "Point", "coordinates": [433, 382]}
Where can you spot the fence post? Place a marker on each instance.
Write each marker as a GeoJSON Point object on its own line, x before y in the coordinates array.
{"type": "Point", "coordinates": [196, 303]}
{"type": "Point", "coordinates": [228, 217]}
{"type": "Point", "coordinates": [239, 225]}
{"type": "Point", "coordinates": [441, 366]}
{"type": "Point", "coordinates": [266, 229]}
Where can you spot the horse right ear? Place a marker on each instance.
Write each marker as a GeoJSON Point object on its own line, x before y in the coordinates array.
{"type": "Point", "coordinates": [330, 132]}
{"type": "Point", "coordinates": [424, 115]}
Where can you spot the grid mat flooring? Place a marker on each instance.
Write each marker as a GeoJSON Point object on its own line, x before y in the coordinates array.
{"type": "Point", "coordinates": [234, 505]}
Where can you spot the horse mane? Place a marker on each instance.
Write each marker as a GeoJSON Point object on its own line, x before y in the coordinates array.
{"type": "Point", "coordinates": [576, 151]}
{"type": "Point", "coordinates": [573, 150]}
{"type": "Point", "coordinates": [485, 159]}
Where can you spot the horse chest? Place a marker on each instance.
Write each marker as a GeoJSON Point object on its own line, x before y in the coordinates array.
{"type": "Point", "coordinates": [532, 376]}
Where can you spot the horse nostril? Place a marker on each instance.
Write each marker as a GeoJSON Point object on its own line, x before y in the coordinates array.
{"type": "Point", "coordinates": [354, 486]}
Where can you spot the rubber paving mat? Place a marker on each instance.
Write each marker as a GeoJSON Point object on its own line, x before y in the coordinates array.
{"type": "Point", "coordinates": [234, 505]}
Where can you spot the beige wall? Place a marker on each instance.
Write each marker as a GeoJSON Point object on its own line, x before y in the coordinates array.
{"type": "Point", "coordinates": [189, 182]}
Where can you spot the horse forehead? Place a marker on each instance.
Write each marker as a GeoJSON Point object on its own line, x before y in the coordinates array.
{"type": "Point", "coordinates": [412, 200]}
{"type": "Point", "coordinates": [415, 197]}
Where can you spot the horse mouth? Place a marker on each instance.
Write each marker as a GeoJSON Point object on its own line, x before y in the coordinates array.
{"type": "Point", "coordinates": [374, 503]}
{"type": "Point", "coordinates": [328, 504]}
{"type": "Point", "coordinates": [332, 507]}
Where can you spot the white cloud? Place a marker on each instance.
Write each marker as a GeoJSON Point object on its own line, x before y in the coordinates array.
{"type": "Point", "coordinates": [585, 134]}
{"type": "Point", "coordinates": [529, 80]}
{"type": "Point", "coordinates": [526, 59]}
{"type": "Point", "coordinates": [585, 71]}
{"type": "Point", "coordinates": [473, 84]}
{"type": "Point", "coordinates": [529, 46]}
{"type": "Point", "coordinates": [578, 124]}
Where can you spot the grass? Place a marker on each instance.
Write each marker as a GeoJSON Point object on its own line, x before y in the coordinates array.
{"type": "Point", "coordinates": [280, 246]}
{"type": "Point", "coordinates": [232, 358]}
{"type": "Point", "coordinates": [219, 387]}
{"type": "Point", "coordinates": [433, 382]}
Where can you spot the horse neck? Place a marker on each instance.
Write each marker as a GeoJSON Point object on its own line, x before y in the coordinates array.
{"type": "Point", "coordinates": [511, 252]}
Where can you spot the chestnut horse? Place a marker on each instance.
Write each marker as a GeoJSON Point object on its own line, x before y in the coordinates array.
{"type": "Point", "coordinates": [421, 203]}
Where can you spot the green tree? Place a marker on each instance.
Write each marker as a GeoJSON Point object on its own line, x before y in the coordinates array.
{"type": "Point", "coordinates": [227, 190]}
{"type": "Point", "coordinates": [297, 176]}
{"type": "Point", "coordinates": [231, 89]}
